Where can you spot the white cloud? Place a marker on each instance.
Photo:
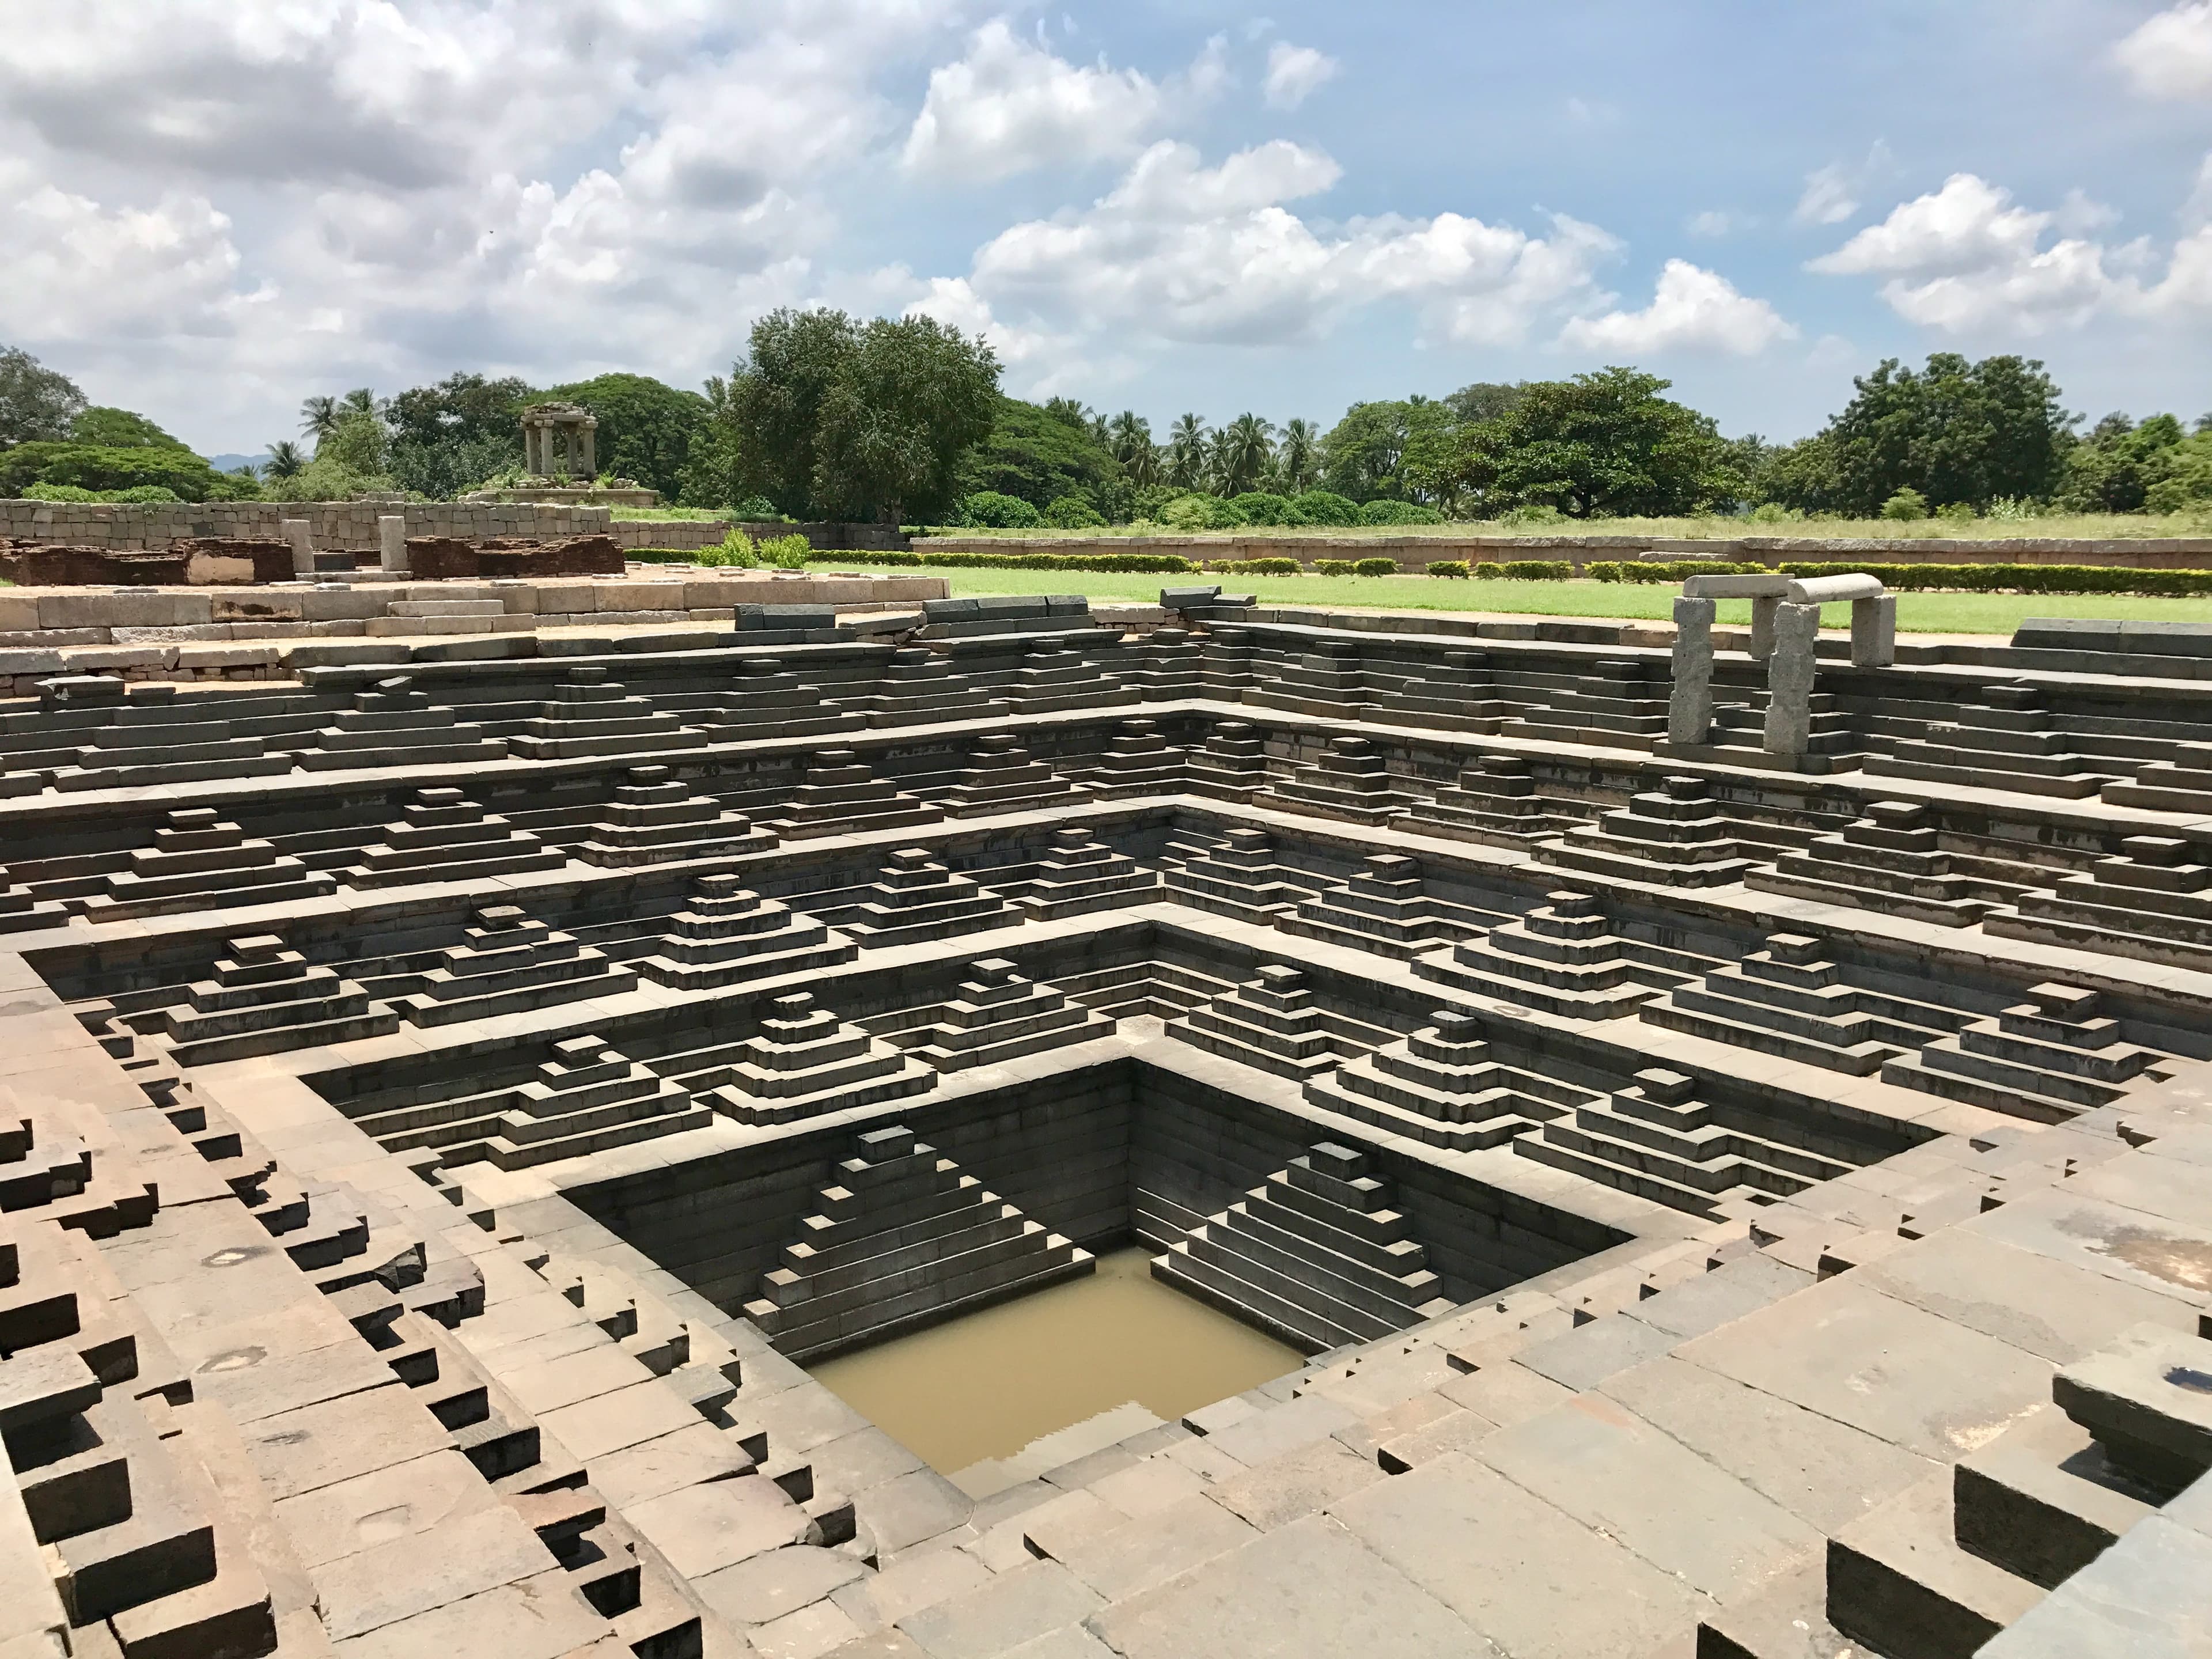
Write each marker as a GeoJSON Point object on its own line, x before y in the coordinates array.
{"type": "Point", "coordinates": [1829, 198]}
{"type": "Point", "coordinates": [1009, 106]}
{"type": "Point", "coordinates": [2170, 55]}
{"type": "Point", "coordinates": [76, 269]}
{"type": "Point", "coordinates": [1180, 252]}
{"type": "Point", "coordinates": [1713, 222]}
{"type": "Point", "coordinates": [1294, 72]}
{"type": "Point", "coordinates": [1966, 257]}
{"type": "Point", "coordinates": [1694, 310]}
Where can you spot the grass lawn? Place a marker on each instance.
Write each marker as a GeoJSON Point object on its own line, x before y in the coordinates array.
{"type": "Point", "coordinates": [1917, 613]}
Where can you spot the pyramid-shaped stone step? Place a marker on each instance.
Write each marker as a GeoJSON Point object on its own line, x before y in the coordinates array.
{"type": "Point", "coordinates": [591, 714]}
{"type": "Point", "coordinates": [199, 862]}
{"type": "Point", "coordinates": [2154, 900]}
{"type": "Point", "coordinates": [1271, 1022]}
{"type": "Point", "coordinates": [266, 1000]}
{"type": "Point", "coordinates": [1317, 1256]}
{"type": "Point", "coordinates": [1562, 958]}
{"type": "Point", "coordinates": [1052, 678]}
{"type": "Point", "coordinates": [1001, 777]}
{"type": "Point", "coordinates": [920, 687]}
{"type": "Point", "coordinates": [443, 836]}
{"type": "Point", "coordinates": [805, 1061]}
{"type": "Point", "coordinates": [839, 795]}
{"type": "Point", "coordinates": [1496, 804]}
{"type": "Point", "coordinates": [1078, 875]}
{"type": "Point", "coordinates": [727, 934]}
{"type": "Point", "coordinates": [1350, 781]}
{"type": "Point", "coordinates": [2005, 741]}
{"type": "Point", "coordinates": [1890, 861]}
{"type": "Point", "coordinates": [509, 962]}
{"type": "Point", "coordinates": [765, 698]}
{"type": "Point", "coordinates": [914, 897]}
{"type": "Point", "coordinates": [999, 1016]}
{"type": "Point", "coordinates": [1242, 878]}
{"type": "Point", "coordinates": [1231, 763]}
{"type": "Point", "coordinates": [903, 1239]}
{"type": "Point", "coordinates": [394, 725]}
{"type": "Point", "coordinates": [1674, 836]}
{"type": "Point", "coordinates": [2048, 1059]}
{"type": "Point", "coordinates": [1138, 760]}
{"type": "Point", "coordinates": [655, 818]}
{"type": "Point", "coordinates": [1384, 909]}
{"type": "Point", "coordinates": [1441, 1086]}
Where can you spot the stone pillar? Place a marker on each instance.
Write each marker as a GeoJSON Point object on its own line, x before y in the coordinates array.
{"type": "Point", "coordinates": [297, 531]}
{"type": "Point", "coordinates": [392, 542]}
{"type": "Point", "coordinates": [1690, 705]}
{"type": "Point", "coordinates": [1762, 626]}
{"type": "Point", "coordinates": [588, 438]}
{"type": "Point", "coordinates": [1874, 632]}
{"type": "Point", "coordinates": [1790, 672]}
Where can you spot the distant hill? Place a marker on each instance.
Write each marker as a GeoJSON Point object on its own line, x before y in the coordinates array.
{"type": "Point", "coordinates": [232, 463]}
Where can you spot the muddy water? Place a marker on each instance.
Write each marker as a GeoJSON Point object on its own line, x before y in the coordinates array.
{"type": "Point", "coordinates": [987, 1384]}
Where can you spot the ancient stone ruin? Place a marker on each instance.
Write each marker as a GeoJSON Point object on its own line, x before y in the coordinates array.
{"type": "Point", "coordinates": [1722, 1135]}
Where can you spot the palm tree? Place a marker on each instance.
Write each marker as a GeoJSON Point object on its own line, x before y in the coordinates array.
{"type": "Point", "coordinates": [1297, 458]}
{"type": "Point", "coordinates": [318, 417]}
{"type": "Point", "coordinates": [359, 401]}
{"type": "Point", "coordinates": [1244, 448]}
{"type": "Point", "coordinates": [1129, 436]}
{"type": "Point", "coordinates": [285, 460]}
{"type": "Point", "coordinates": [1185, 467]}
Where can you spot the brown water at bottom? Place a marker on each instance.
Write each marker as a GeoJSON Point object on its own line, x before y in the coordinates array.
{"type": "Point", "coordinates": [987, 1384]}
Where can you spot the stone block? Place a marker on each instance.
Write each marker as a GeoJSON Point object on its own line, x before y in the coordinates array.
{"type": "Point", "coordinates": [162, 610]}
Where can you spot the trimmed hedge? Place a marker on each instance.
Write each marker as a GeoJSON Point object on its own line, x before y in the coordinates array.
{"type": "Point", "coordinates": [1453, 569]}
{"type": "Point", "coordinates": [1672, 570]}
{"type": "Point", "coordinates": [1536, 570]}
{"type": "Point", "coordinates": [1332, 567]}
{"type": "Point", "coordinates": [1255, 567]}
{"type": "Point", "coordinates": [1375, 567]}
{"type": "Point", "coordinates": [1153, 564]}
{"type": "Point", "coordinates": [2022, 578]}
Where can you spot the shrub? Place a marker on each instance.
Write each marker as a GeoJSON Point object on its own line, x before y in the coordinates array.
{"type": "Point", "coordinates": [1375, 567]}
{"type": "Point", "coordinates": [1489, 570]}
{"type": "Point", "coordinates": [1775, 512]}
{"type": "Point", "coordinates": [1325, 507]}
{"type": "Point", "coordinates": [1905, 506]}
{"type": "Point", "coordinates": [986, 509]}
{"type": "Point", "coordinates": [1452, 567]}
{"type": "Point", "coordinates": [1390, 513]}
{"type": "Point", "coordinates": [47, 492]}
{"type": "Point", "coordinates": [1533, 513]}
{"type": "Point", "coordinates": [1073, 513]}
{"type": "Point", "coordinates": [2022, 578]}
{"type": "Point", "coordinates": [786, 552]}
{"type": "Point", "coordinates": [1956, 511]}
{"type": "Point", "coordinates": [1332, 567]}
{"type": "Point", "coordinates": [1255, 567]}
{"type": "Point", "coordinates": [1536, 570]}
{"type": "Point", "coordinates": [1149, 564]}
{"type": "Point", "coordinates": [758, 509]}
{"type": "Point", "coordinates": [2009, 509]}
{"type": "Point", "coordinates": [737, 549]}
{"type": "Point", "coordinates": [1669, 570]}
{"type": "Point", "coordinates": [1261, 507]}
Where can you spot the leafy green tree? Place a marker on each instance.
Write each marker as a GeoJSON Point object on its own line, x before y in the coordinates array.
{"type": "Point", "coordinates": [1599, 446]}
{"type": "Point", "coordinates": [449, 437]}
{"type": "Point", "coordinates": [318, 417]}
{"type": "Point", "coordinates": [120, 429]}
{"type": "Point", "coordinates": [1129, 440]}
{"type": "Point", "coordinates": [986, 509]}
{"type": "Point", "coordinates": [915, 396]}
{"type": "Point", "coordinates": [1485, 400]}
{"type": "Point", "coordinates": [36, 403]}
{"type": "Point", "coordinates": [2114, 469]}
{"type": "Point", "coordinates": [284, 460]}
{"type": "Point", "coordinates": [1072, 513]}
{"type": "Point", "coordinates": [1039, 457]}
{"type": "Point", "coordinates": [2185, 480]}
{"type": "Point", "coordinates": [1954, 431]}
{"type": "Point", "coordinates": [774, 402]}
{"type": "Point", "coordinates": [647, 428]}
{"type": "Point", "coordinates": [101, 469]}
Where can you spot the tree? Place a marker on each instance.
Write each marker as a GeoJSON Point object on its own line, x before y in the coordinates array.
{"type": "Point", "coordinates": [1034, 455]}
{"type": "Point", "coordinates": [774, 403]}
{"type": "Point", "coordinates": [450, 437]}
{"type": "Point", "coordinates": [1187, 452]}
{"type": "Point", "coordinates": [100, 468]}
{"type": "Point", "coordinates": [1485, 400]}
{"type": "Point", "coordinates": [1246, 447]}
{"type": "Point", "coordinates": [1603, 445]}
{"type": "Point", "coordinates": [647, 428]}
{"type": "Point", "coordinates": [1129, 440]}
{"type": "Point", "coordinates": [318, 417]}
{"type": "Point", "coordinates": [120, 429]}
{"type": "Point", "coordinates": [1297, 457]}
{"type": "Point", "coordinates": [1362, 456]}
{"type": "Point", "coordinates": [36, 403]}
{"type": "Point", "coordinates": [285, 460]}
{"type": "Point", "coordinates": [1954, 431]}
{"type": "Point", "coordinates": [2117, 467]}
{"type": "Point", "coordinates": [913, 397]}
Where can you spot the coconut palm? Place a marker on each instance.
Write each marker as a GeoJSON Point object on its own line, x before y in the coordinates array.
{"type": "Point", "coordinates": [1186, 456]}
{"type": "Point", "coordinates": [285, 460]}
{"type": "Point", "coordinates": [1129, 437]}
{"type": "Point", "coordinates": [1297, 458]}
{"type": "Point", "coordinates": [318, 417]}
{"type": "Point", "coordinates": [1242, 453]}
{"type": "Point", "coordinates": [358, 402]}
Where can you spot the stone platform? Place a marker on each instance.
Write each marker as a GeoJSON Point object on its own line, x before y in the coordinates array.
{"type": "Point", "coordinates": [449, 1097]}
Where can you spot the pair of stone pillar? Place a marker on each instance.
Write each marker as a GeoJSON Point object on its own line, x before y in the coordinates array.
{"type": "Point", "coordinates": [1785, 630]}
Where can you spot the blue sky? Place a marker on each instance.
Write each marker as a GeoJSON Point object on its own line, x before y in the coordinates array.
{"type": "Point", "coordinates": [220, 208]}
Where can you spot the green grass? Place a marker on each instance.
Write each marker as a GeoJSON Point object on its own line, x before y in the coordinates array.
{"type": "Point", "coordinates": [1916, 613]}
{"type": "Point", "coordinates": [2093, 526]}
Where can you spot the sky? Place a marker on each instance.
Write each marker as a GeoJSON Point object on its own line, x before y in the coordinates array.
{"type": "Point", "coordinates": [216, 208]}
